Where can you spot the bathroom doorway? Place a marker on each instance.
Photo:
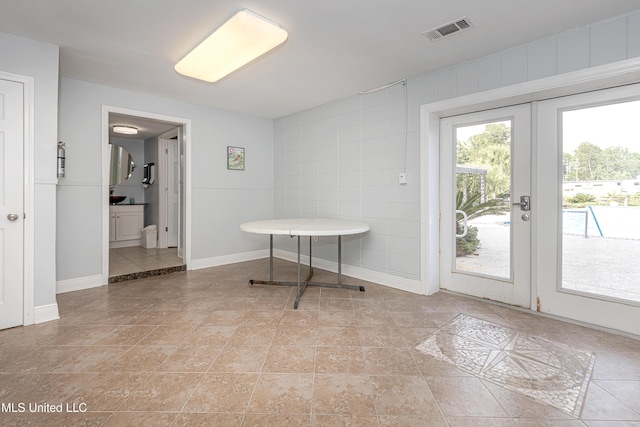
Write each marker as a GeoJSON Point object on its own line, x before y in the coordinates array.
{"type": "Point", "coordinates": [143, 250]}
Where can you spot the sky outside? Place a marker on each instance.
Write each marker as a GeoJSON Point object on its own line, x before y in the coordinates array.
{"type": "Point", "coordinates": [605, 126]}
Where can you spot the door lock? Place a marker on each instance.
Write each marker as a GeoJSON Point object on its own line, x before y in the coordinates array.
{"type": "Point", "coordinates": [525, 203]}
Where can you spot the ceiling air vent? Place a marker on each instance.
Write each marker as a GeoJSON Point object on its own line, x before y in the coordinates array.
{"type": "Point", "coordinates": [448, 29]}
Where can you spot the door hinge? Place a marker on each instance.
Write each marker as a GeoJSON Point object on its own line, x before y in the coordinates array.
{"type": "Point", "coordinates": [166, 229]}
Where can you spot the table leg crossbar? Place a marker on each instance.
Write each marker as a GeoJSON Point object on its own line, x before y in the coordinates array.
{"type": "Point", "coordinates": [303, 284]}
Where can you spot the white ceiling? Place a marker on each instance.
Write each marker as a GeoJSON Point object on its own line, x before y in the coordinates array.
{"type": "Point", "coordinates": [147, 128]}
{"type": "Point", "coordinates": [335, 48]}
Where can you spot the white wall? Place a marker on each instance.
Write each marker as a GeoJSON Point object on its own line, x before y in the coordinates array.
{"type": "Point", "coordinates": [343, 158]}
{"type": "Point", "coordinates": [221, 199]}
{"type": "Point", "coordinates": [40, 61]}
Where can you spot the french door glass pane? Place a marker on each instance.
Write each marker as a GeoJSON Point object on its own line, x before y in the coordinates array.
{"type": "Point", "coordinates": [601, 200]}
{"type": "Point", "coordinates": [482, 187]}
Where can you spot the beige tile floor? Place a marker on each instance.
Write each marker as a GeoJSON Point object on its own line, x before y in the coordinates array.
{"type": "Point", "coordinates": [205, 348]}
{"type": "Point", "coordinates": [135, 259]}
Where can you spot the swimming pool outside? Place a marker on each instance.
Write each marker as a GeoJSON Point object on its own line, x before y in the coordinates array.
{"type": "Point", "coordinates": [616, 222]}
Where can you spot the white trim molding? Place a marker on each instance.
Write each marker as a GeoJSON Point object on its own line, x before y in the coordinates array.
{"type": "Point", "coordinates": [186, 125]}
{"type": "Point", "coordinates": [414, 286]}
{"type": "Point", "coordinates": [78, 284]}
{"type": "Point", "coordinates": [46, 181]}
{"type": "Point", "coordinates": [198, 264]}
{"type": "Point", "coordinates": [396, 282]}
{"type": "Point", "coordinates": [45, 313]}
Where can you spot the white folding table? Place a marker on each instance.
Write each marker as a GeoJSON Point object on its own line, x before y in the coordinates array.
{"type": "Point", "coordinates": [311, 227]}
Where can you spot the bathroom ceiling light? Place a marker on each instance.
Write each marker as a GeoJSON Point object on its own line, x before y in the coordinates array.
{"type": "Point", "coordinates": [240, 40]}
{"type": "Point", "coordinates": [126, 130]}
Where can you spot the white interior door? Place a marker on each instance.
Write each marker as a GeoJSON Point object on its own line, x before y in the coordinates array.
{"type": "Point", "coordinates": [173, 195]}
{"type": "Point", "coordinates": [587, 253]}
{"type": "Point", "coordinates": [485, 239]}
{"type": "Point", "coordinates": [11, 204]}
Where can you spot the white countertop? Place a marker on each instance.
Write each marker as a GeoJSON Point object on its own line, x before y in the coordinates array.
{"type": "Point", "coordinates": [306, 227]}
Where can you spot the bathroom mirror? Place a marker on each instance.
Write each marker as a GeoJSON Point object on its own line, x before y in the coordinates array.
{"type": "Point", "coordinates": [122, 165]}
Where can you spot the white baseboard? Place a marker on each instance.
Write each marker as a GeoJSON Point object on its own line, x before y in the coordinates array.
{"type": "Point", "coordinates": [125, 243]}
{"type": "Point", "coordinates": [78, 284]}
{"type": "Point", "coordinates": [45, 313]}
{"type": "Point", "coordinates": [401, 283]}
{"type": "Point", "coordinates": [409, 285]}
{"type": "Point", "coordinates": [198, 264]}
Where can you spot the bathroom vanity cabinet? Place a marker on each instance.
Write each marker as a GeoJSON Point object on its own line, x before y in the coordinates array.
{"type": "Point", "coordinates": [125, 224]}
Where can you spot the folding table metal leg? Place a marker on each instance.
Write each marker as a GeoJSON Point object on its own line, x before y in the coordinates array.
{"type": "Point", "coordinates": [301, 285]}
{"type": "Point", "coordinates": [271, 257]}
{"type": "Point", "coordinates": [270, 281]}
{"type": "Point", "coordinates": [339, 260]}
{"type": "Point", "coordinates": [339, 285]}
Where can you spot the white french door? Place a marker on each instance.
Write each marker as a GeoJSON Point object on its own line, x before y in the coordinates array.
{"type": "Point", "coordinates": [485, 200]}
{"type": "Point", "coordinates": [11, 204]}
{"type": "Point", "coordinates": [588, 246]}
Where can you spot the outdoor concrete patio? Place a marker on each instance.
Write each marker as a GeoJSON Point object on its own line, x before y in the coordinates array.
{"type": "Point", "coordinates": [599, 265]}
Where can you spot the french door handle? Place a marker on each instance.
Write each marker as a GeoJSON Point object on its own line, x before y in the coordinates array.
{"type": "Point", "coordinates": [525, 203]}
{"type": "Point", "coordinates": [464, 224]}
{"type": "Point", "coordinates": [12, 216]}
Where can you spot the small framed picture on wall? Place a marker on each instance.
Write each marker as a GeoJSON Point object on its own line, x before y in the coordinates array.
{"type": "Point", "coordinates": [235, 158]}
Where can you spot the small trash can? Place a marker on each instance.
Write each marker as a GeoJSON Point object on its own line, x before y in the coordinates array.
{"type": "Point", "coordinates": [150, 236]}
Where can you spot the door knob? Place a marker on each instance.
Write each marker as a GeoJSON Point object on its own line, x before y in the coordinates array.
{"type": "Point", "coordinates": [12, 217]}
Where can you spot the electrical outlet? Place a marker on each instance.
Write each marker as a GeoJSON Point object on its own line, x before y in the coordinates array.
{"type": "Point", "coordinates": [402, 178]}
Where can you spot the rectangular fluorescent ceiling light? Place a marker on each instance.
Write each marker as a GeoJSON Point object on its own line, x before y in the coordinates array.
{"type": "Point", "coordinates": [240, 40]}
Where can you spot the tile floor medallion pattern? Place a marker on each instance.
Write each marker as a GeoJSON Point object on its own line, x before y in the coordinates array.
{"type": "Point", "coordinates": [546, 371]}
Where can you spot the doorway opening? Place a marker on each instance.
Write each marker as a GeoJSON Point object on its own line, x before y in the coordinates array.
{"type": "Point", "coordinates": [142, 239]}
